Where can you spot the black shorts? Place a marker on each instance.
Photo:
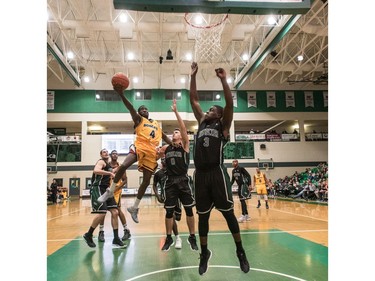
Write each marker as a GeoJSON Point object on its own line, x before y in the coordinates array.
{"type": "Point", "coordinates": [178, 188]}
{"type": "Point", "coordinates": [97, 208]}
{"type": "Point", "coordinates": [243, 192]}
{"type": "Point", "coordinates": [213, 189]}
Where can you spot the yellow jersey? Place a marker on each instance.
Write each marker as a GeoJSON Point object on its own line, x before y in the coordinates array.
{"type": "Point", "coordinates": [148, 135]}
{"type": "Point", "coordinates": [259, 179]}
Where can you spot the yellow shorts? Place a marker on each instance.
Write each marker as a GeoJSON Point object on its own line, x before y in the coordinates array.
{"type": "Point", "coordinates": [261, 190]}
{"type": "Point", "coordinates": [147, 160]}
{"type": "Point", "coordinates": [117, 194]}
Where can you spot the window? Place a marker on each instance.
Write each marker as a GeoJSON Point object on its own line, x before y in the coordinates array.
{"type": "Point", "coordinates": [121, 143]}
{"type": "Point", "coordinates": [142, 94]}
{"type": "Point", "coordinates": [209, 96]}
{"type": "Point", "coordinates": [107, 95]}
{"type": "Point", "coordinates": [173, 94]}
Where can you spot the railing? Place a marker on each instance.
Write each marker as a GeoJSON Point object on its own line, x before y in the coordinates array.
{"type": "Point", "coordinates": [274, 137]}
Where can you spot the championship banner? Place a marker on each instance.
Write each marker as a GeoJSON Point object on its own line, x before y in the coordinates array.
{"type": "Point", "coordinates": [242, 137]}
{"type": "Point", "coordinates": [234, 97]}
{"type": "Point", "coordinates": [289, 137]}
{"type": "Point", "coordinates": [271, 99]}
{"type": "Point", "coordinates": [50, 100]}
{"type": "Point", "coordinates": [272, 137]}
{"type": "Point", "coordinates": [289, 99]}
{"type": "Point", "coordinates": [325, 98]}
{"type": "Point", "coordinates": [309, 99]}
{"type": "Point", "coordinates": [251, 99]}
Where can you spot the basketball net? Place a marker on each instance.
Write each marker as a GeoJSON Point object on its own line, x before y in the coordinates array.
{"type": "Point", "coordinates": [207, 37]}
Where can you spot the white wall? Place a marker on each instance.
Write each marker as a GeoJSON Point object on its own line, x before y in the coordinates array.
{"type": "Point", "coordinates": [279, 151]}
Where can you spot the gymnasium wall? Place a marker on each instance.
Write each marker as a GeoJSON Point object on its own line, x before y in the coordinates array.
{"type": "Point", "coordinates": [83, 101]}
{"type": "Point", "coordinates": [288, 157]}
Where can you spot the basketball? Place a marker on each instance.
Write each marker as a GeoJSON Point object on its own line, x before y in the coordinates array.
{"type": "Point", "coordinates": [120, 79]}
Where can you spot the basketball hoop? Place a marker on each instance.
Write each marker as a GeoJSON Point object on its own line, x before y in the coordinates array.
{"type": "Point", "coordinates": [207, 37]}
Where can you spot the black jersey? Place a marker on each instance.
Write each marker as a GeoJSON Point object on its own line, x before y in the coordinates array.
{"type": "Point", "coordinates": [102, 180]}
{"type": "Point", "coordinates": [209, 145]}
{"type": "Point", "coordinates": [241, 176]}
{"type": "Point", "coordinates": [177, 161]}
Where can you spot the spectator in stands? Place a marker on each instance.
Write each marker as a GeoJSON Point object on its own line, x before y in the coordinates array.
{"type": "Point", "coordinates": [323, 191]}
{"type": "Point", "coordinates": [54, 191]}
{"type": "Point", "coordinates": [271, 189]}
{"type": "Point", "coordinates": [295, 132]}
{"type": "Point", "coordinates": [284, 132]}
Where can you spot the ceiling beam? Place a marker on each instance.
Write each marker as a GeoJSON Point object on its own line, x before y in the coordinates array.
{"type": "Point", "coordinates": [215, 7]}
{"type": "Point", "coordinates": [55, 51]}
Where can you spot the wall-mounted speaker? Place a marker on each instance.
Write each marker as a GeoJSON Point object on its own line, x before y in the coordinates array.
{"type": "Point", "coordinates": [262, 146]}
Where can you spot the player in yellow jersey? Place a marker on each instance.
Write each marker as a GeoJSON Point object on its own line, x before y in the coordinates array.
{"type": "Point", "coordinates": [148, 136]}
{"type": "Point", "coordinates": [259, 183]}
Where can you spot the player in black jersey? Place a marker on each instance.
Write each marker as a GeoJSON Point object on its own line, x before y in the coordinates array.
{"type": "Point", "coordinates": [211, 179]}
{"type": "Point", "coordinates": [177, 186]}
{"type": "Point", "coordinates": [160, 178]}
{"type": "Point", "coordinates": [243, 180]}
{"type": "Point", "coordinates": [101, 180]}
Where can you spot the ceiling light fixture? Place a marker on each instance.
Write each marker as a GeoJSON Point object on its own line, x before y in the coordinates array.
{"type": "Point", "coordinates": [169, 55]}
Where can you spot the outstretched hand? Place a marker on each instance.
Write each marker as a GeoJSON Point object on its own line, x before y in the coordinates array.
{"type": "Point", "coordinates": [220, 72]}
{"type": "Point", "coordinates": [119, 89]}
{"type": "Point", "coordinates": [174, 106]}
{"type": "Point", "coordinates": [194, 68]}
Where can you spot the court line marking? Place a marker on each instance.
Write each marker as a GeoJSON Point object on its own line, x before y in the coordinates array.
{"type": "Point", "coordinates": [67, 214]}
{"type": "Point", "coordinates": [217, 266]}
{"type": "Point", "coordinates": [210, 234]}
{"type": "Point", "coordinates": [290, 213]}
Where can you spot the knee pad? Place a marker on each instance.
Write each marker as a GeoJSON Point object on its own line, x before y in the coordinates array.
{"type": "Point", "coordinates": [169, 213]}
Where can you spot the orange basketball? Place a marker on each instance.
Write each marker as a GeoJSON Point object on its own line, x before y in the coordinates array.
{"type": "Point", "coordinates": [120, 79]}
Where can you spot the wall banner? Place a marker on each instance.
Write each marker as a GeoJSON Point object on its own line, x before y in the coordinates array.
{"type": "Point", "coordinates": [251, 99]}
{"type": "Point", "coordinates": [50, 100]}
{"type": "Point", "coordinates": [271, 99]}
{"type": "Point", "coordinates": [289, 99]}
{"type": "Point", "coordinates": [325, 98]}
{"type": "Point", "coordinates": [309, 99]}
{"type": "Point", "coordinates": [234, 97]}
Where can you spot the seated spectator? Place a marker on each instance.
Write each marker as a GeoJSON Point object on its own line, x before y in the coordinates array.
{"type": "Point", "coordinates": [323, 192]}
{"type": "Point", "coordinates": [271, 189]}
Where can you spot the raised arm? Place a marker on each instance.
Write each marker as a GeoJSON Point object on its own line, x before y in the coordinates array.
{"type": "Point", "coordinates": [228, 109]}
{"type": "Point", "coordinates": [135, 116]}
{"type": "Point", "coordinates": [98, 169]}
{"type": "Point", "coordinates": [166, 138]}
{"type": "Point", "coordinates": [197, 110]}
{"type": "Point", "coordinates": [181, 124]}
